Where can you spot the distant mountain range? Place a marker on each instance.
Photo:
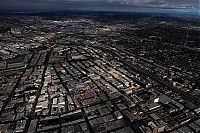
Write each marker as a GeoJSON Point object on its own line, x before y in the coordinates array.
{"type": "Point", "coordinates": [141, 11]}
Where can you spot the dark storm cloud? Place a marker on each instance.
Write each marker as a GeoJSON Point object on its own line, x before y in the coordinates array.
{"type": "Point", "coordinates": [96, 4]}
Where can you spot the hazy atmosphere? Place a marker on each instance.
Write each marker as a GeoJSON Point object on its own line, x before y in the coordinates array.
{"type": "Point", "coordinates": [102, 5]}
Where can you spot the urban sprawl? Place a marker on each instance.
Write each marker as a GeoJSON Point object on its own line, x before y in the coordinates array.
{"type": "Point", "coordinates": [99, 74]}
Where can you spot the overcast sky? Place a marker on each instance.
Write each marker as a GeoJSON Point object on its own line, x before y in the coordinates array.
{"type": "Point", "coordinates": [40, 5]}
